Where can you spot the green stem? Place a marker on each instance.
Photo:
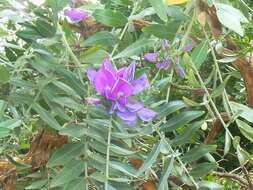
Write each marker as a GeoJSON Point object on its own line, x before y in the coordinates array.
{"type": "Point", "coordinates": [71, 53]}
{"type": "Point", "coordinates": [177, 157]}
{"type": "Point", "coordinates": [225, 95]}
{"type": "Point", "coordinates": [245, 4]}
{"type": "Point", "coordinates": [211, 101]}
{"type": "Point", "coordinates": [108, 156]}
{"type": "Point", "coordinates": [69, 50]}
{"type": "Point", "coordinates": [124, 30]}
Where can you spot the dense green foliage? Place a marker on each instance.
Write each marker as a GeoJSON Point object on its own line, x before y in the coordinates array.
{"type": "Point", "coordinates": [203, 127]}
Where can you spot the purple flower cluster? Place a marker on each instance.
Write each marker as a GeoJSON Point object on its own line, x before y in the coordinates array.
{"type": "Point", "coordinates": [118, 86]}
{"type": "Point", "coordinates": [162, 59]}
{"type": "Point", "coordinates": [76, 15]}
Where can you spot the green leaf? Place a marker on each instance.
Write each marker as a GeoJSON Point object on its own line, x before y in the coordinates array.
{"type": "Point", "coordinates": [70, 103]}
{"type": "Point", "coordinates": [202, 169]}
{"type": "Point", "coordinates": [166, 174]}
{"type": "Point", "coordinates": [57, 5]}
{"type": "Point", "coordinates": [184, 137]}
{"type": "Point", "coordinates": [11, 123]}
{"type": "Point", "coordinates": [161, 31]}
{"type": "Point", "coordinates": [76, 184]}
{"type": "Point", "coordinates": [227, 143]}
{"type": "Point", "coordinates": [244, 111]}
{"type": "Point", "coordinates": [4, 132]}
{"type": "Point", "coordinates": [121, 151]}
{"type": "Point", "coordinates": [78, 130]}
{"type": "Point", "coordinates": [94, 56]}
{"type": "Point", "coordinates": [74, 130]}
{"type": "Point", "coordinates": [69, 173]}
{"type": "Point", "coordinates": [125, 168]}
{"type": "Point", "coordinates": [198, 152]}
{"type": "Point", "coordinates": [160, 8]}
{"type": "Point", "coordinates": [110, 18]}
{"type": "Point", "coordinates": [37, 184]}
{"type": "Point", "coordinates": [135, 49]}
{"type": "Point", "coordinates": [64, 154]}
{"type": "Point", "coordinates": [199, 54]}
{"type": "Point", "coordinates": [170, 108]}
{"type": "Point", "coordinates": [245, 129]}
{"type": "Point", "coordinates": [46, 117]}
{"type": "Point", "coordinates": [180, 120]}
{"type": "Point", "coordinates": [219, 90]}
{"type": "Point", "coordinates": [230, 17]}
{"type": "Point", "coordinates": [29, 33]}
{"type": "Point", "coordinates": [44, 28]}
{"type": "Point", "coordinates": [150, 159]}
{"type": "Point", "coordinates": [4, 74]}
{"type": "Point", "coordinates": [66, 88]}
{"type": "Point", "coordinates": [103, 38]}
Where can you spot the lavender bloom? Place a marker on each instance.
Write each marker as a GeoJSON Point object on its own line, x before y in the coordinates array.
{"type": "Point", "coordinates": [76, 15]}
{"type": "Point", "coordinates": [165, 63]}
{"type": "Point", "coordinates": [151, 57]}
{"type": "Point", "coordinates": [179, 69]}
{"type": "Point", "coordinates": [117, 86]}
{"type": "Point", "coordinates": [188, 47]}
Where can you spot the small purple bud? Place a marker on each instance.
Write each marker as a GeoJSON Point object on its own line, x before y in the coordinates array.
{"type": "Point", "coordinates": [159, 65]}
{"type": "Point", "coordinates": [76, 15]}
{"type": "Point", "coordinates": [188, 47]}
{"type": "Point", "coordinates": [93, 101]}
{"type": "Point", "coordinates": [177, 60]}
{"type": "Point", "coordinates": [180, 71]}
{"type": "Point", "coordinates": [151, 57]}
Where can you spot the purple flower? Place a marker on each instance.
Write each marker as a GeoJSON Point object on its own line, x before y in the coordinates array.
{"type": "Point", "coordinates": [117, 86]}
{"type": "Point", "coordinates": [151, 57]}
{"type": "Point", "coordinates": [179, 69]}
{"type": "Point", "coordinates": [165, 63]}
{"type": "Point", "coordinates": [76, 15]}
{"type": "Point", "coordinates": [188, 47]}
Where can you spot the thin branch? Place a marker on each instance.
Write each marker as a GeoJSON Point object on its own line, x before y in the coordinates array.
{"type": "Point", "coordinates": [180, 183]}
{"type": "Point", "coordinates": [243, 182]}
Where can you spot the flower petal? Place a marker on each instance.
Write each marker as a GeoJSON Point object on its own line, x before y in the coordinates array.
{"type": "Point", "coordinates": [107, 65]}
{"type": "Point", "coordinates": [130, 72]}
{"type": "Point", "coordinates": [127, 116]}
{"type": "Point", "coordinates": [121, 90]}
{"type": "Point", "coordinates": [140, 84]}
{"type": "Point", "coordinates": [104, 81]}
{"type": "Point", "coordinates": [76, 15]}
{"type": "Point", "coordinates": [120, 107]}
{"type": "Point", "coordinates": [146, 114]}
{"type": "Point", "coordinates": [188, 47]}
{"type": "Point", "coordinates": [134, 106]}
{"type": "Point", "coordinates": [122, 72]}
{"type": "Point", "coordinates": [91, 73]}
{"type": "Point", "coordinates": [180, 71]}
{"type": "Point", "coordinates": [151, 57]}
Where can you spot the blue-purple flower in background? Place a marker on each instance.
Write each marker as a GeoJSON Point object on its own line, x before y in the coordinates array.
{"type": "Point", "coordinates": [76, 15]}
{"type": "Point", "coordinates": [118, 86]}
{"type": "Point", "coordinates": [163, 60]}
